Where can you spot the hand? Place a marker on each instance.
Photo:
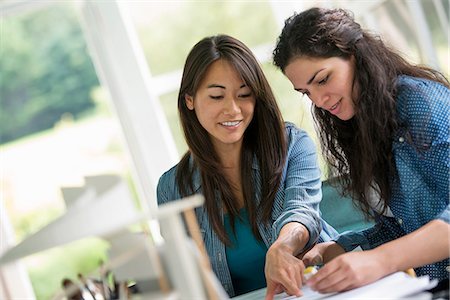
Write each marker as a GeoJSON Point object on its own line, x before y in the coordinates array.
{"type": "Point", "coordinates": [322, 253]}
{"type": "Point", "coordinates": [348, 271]}
{"type": "Point", "coordinates": [283, 272]}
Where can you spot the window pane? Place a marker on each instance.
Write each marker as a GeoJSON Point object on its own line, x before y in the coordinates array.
{"type": "Point", "coordinates": [56, 128]}
{"type": "Point", "coordinates": [168, 30]}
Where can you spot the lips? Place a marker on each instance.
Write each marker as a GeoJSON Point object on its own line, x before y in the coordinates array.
{"type": "Point", "coordinates": [230, 123]}
{"type": "Point", "coordinates": [334, 107]}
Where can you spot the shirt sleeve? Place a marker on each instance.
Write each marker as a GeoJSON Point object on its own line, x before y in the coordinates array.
{"type": "Point", "coordinates": [383, 231]}
{"type": "Point", "coordinates": [428, 119]}
{"type": "Point", "coordinates": [161, 196]}
{"type": "Point", "coordinates": [302, 186]}
{"type": "Point", "coordinates": [436, 163]}
{"type": "Point", "coordinates": [423, 107]}
{"type": "Point", "coordinates": [166, 189]}
{"type": "Point", "coordinates": [445, 216]}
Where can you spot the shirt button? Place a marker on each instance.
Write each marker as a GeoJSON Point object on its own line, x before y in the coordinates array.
{"type": "Point", "coordinates": [401, 139]}
{"type": "Point", "coordinates": [400, 221]}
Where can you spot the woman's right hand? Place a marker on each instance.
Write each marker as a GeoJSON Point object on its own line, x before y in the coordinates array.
{"type": "Point", "coordinates": [322, 253]}
{"type": "Point", "coordinates": [283, 271]}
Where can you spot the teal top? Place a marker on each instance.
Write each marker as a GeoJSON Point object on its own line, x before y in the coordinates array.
{"type": "Point", "coordinates": [246, 256]}
{"type": "Point", "coordinates": [296, 200]}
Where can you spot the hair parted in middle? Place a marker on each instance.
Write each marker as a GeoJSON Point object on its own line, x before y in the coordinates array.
{"type": "Point", "coordinates": [264, 138]}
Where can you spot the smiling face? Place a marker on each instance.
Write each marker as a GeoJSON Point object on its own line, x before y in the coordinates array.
{"type": "Point", "coordinates": [328, 82]}
{"type": "Point", "coordinates": [224, 105]}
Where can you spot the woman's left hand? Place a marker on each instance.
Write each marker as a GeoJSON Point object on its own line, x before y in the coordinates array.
{"type": "Point", "coordinates": [348, 271]}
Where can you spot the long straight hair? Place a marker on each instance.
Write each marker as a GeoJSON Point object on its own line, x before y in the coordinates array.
{"type": "Point", "coordinates": [264, 138]}
{"type": "Point", "coordinates": [358, 151]}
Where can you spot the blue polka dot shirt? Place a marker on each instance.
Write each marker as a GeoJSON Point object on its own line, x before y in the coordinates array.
{"type": "Point", "coordinates": [420, 191]}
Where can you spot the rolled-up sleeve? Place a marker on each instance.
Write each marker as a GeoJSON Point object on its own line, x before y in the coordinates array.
{"type": "Point", "coordinates": [386, 229]}
{"type": "Point", "coordinates": [445, 215]}
{"type": "Point", "coordinates": [302, 186]}
{"type": "Point", "coordinates": [350, 240]}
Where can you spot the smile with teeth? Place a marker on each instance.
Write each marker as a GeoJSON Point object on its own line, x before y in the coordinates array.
{"type": "Point", "coordinates": [335, 106]}
{"type": "Point", "coordinates": [231, 123]}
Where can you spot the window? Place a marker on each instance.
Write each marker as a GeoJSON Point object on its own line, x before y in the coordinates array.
{"type": "Point", "coordinates": [57, 128]}
{"type": "Point", "coordinates": [168, 31]}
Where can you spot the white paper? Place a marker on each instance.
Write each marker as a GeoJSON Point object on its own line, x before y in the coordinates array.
{"type": "Point", "coordinates": [394, 286]}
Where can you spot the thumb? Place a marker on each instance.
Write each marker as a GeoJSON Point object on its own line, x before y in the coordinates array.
{"type": "Point", "coordinates": [311, 259]}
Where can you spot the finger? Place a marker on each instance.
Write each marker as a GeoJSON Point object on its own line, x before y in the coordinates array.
{"type": "Point", "coordinates": [312, 259]}
{"type": "Point", "coordinates": [271, 290]}
{"type": "Point", "coordinates": [341, 284]}
{"type": "Point", "coordinates": [290, 283]}
{"type": "Point", "coordinates": [279, 289]}
{"type": "Point", "coordinates": [330, 282]}
{"type": "Point", "coordinates": [292, 290]}
{"type": "Point", "coordinates": [323, 273]}
{"type": "Point", "coordinates": [307, 259]}
{"type": "Point", "coordinates": [299, 279]}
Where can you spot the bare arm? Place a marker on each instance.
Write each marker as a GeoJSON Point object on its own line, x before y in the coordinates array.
{"type": "Point", "coordinates": [426, 245]}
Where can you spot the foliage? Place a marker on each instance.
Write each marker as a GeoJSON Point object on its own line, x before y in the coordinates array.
{"type": "Point", "coordinates": [47, 71]}
{"type": "Point", "coordinates": [171, 42]}
{"type": "Point", "coordinates": [33, 221]}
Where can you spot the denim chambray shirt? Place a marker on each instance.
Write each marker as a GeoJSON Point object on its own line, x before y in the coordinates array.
{"type": "Point", "coordinates": [297, 200]}
{"type": "Point", "coordinates": [420, 190]}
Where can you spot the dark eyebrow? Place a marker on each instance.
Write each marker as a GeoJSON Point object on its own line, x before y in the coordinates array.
{"type": "Point", "coordinates": [314, 76]}
{"type": "Point", "coordinates": [213, 85]}
{"type": "Point", "coordinates": [216, 86]}
{"type": "Point", "coordinates": [309, 81]}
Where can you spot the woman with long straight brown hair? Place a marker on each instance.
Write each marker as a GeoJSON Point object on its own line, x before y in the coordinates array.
{"type": "Point", "coordinates": [259, 176]}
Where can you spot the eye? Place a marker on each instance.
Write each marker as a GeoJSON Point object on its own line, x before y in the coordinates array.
{"type": "Point", "coordinates": [323, 81]}
{"type": "Point", "coordinates": [303, 92]}
{"type": "Point", "coordinates": [245, 95]}
{"type": "Point", "coordinates": [216, 97]}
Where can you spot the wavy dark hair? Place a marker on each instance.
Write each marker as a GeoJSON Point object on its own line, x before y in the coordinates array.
{"type": "Point", "coordinates": [264, 138]}
{"type": "Point", "coordinates": [358, 151]}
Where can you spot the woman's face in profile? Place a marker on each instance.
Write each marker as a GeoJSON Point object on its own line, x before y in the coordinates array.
{"type": "Point", "coordinates": [328, 82]}
{"type": "Point", "coordinates": [224, 104]}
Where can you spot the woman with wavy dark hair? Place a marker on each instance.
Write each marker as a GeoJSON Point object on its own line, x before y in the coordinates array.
{"type": "Point", "coordinates": [384, 131]}
{"type": "Point", "coordinates": [259, 176]}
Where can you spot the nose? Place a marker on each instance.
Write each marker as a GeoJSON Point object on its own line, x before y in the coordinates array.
{"type": "Point", "coordinates": [319, 98]}
{"type": "Point", "coordinates": [231, 106]}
